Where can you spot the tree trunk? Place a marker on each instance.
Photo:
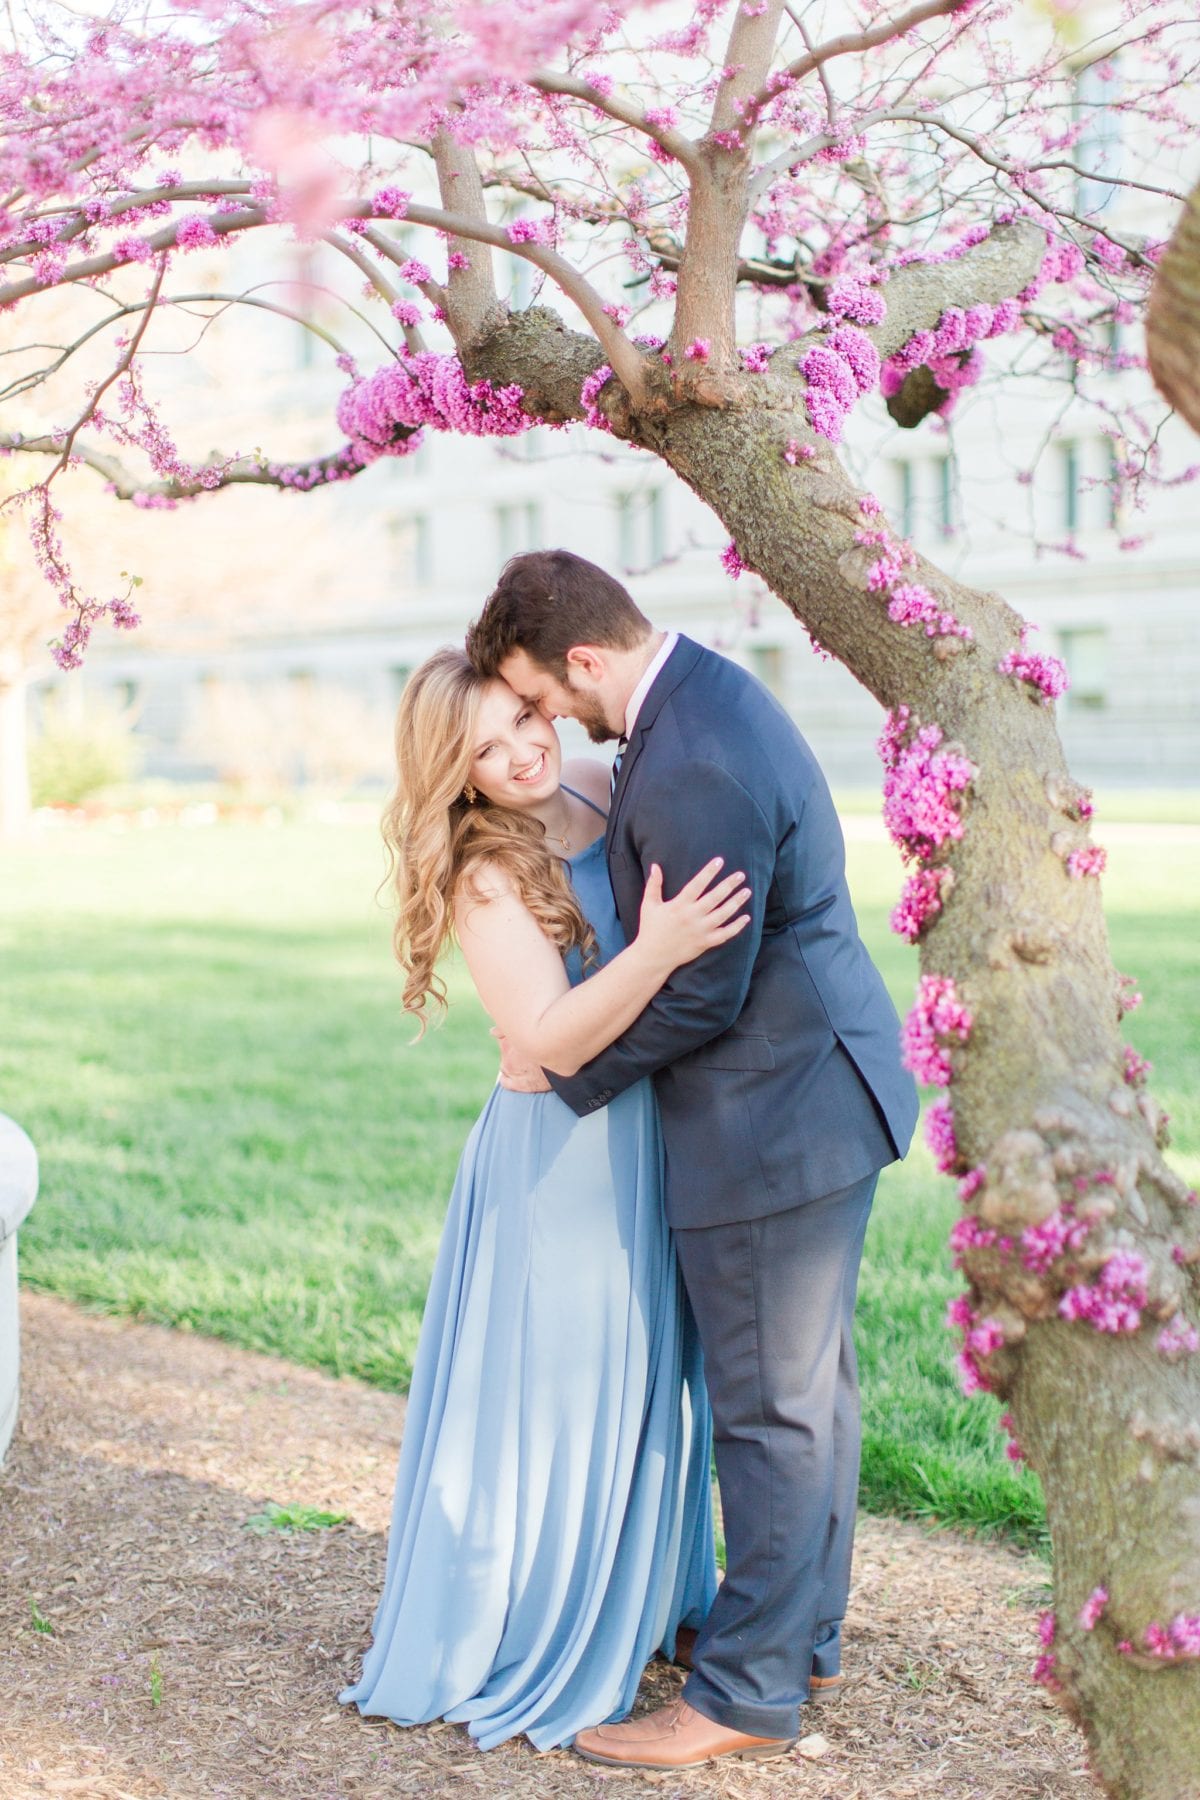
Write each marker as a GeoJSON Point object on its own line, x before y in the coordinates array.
{"type": "Point", "coordinates": [1173, 316]}
{"type": "Point", "coordinates": [15, 803]}
{"type": "Point", "coordinates": [1041, 1103]}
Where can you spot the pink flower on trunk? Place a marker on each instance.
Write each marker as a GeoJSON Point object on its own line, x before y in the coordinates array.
{"type": "Point", "coordinates": [1046, 673]}
{"type": "Point", "coordinates": [1090, 859]}
{"type": "Point", "coordinates": [1177, 1339]}
{"type": "Point", "coordinates": [1093, 1608]}
{"type": "Point", "coordinates": [938, 1016]}
{"type": "Point", "coordinates": [1114, 1301]}
{"type": "Point", "coordinates": [939, 1135]}
{"type": "Point", "coordinates": [919, 785]}
{"type": "Point", "coordinates": [920, 902]}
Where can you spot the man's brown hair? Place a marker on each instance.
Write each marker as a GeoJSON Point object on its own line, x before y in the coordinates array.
{"type": "Point", "coordinates": [545, 603]}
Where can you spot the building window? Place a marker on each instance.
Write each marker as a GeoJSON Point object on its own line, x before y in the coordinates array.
{"type": "Point", "coordinates": [1068, 470]}
{"type": "Point", "coordinates": [518, 527]}
{"type": "Point", "coordinates": [641, 528]}
{"type": "Point", "coordinates": [1085, 652]}
{"type": "Point", "coordinates": [1098, 147]}
{"type": "Point", "coordinates": [906, 501]}
{"type": "Point", "coordinates": [412, 549]}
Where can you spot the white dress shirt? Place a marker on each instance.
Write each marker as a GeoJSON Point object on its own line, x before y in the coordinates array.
{"type": "Point", "coordinates": [647, 682]}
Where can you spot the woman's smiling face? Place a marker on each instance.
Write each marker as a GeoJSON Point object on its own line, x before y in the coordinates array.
{"type": "Point", "coordinates": [518, 759]}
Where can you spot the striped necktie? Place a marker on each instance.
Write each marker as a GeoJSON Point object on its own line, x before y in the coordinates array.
{"type": "Point", "coordinates": [622, 747]}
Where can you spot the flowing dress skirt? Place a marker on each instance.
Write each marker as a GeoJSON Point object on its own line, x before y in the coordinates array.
{"type": "Point", "coordinates": [552, 1523]}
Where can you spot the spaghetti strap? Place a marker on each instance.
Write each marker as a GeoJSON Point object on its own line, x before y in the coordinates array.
{"type": "Point", "coordinates": [584, 798]}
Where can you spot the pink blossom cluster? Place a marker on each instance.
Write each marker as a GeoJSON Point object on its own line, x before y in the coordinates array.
{"type": "Point", "coordinates": [920, 901]}
{"type": "Point", "coordinates": [1114, 1301]}
{"type": "Point", "coordinates": [938, 1018]}
{"type": "Point", "coordinates": [838, 372]}
{"type": "Point", "coordinates": [1092, 1610]}
{"type": "Point", "coordinates": [971, 1183]}
{"type": "Point", "coordinates": [731, 561]}
{"type": "Point", "coordinates": [530, 231]}
{"type": "Point", "coordinates": [939, 1134]}
{"type": "Point", "coordinates": [1012, 1449]}
{"type": "Point", "coordinates": [1180, 1638]}
{"type": "Point", "coordinates": [919, 785]}
{"type": "Point", "coordinates": [698, 350]}
{"type": "Point", "coordinates": [981, 1337]}
{"type": "Point", "coordinates": [967, 1235]}
{"type": "Point", "coordinates": [1046, 1667]}
{"type": "Point", "coordinates": [1177, 1338]}
{"type": "Point", "coordinates": [1046, 673]}
{"type": "Point", "coordinates": [851, 298]}
{"type": "Point", "coordinates": [1062, 1233]}
{"type": "Point", "coordinates": [912, 604]}
{"type": "Point", "coordinates": [1128, 994]}
{"type": "Point", "coordinates": [948, 350]}
{"type": "Point", "coordinates": [381, 413]}
{"type": "Point", "coordinates": [1089, 859]}
{"type": "Point", "coordinates": [756, 358]}
{"type": "Point", "coordinates": [1136, 1067]}
{"type": "Point", "coordinates": [195, 233]}
{"type": "Point", "coordinates": [389, 203]}
{"type": "Point", "coordinates": [589, 395]}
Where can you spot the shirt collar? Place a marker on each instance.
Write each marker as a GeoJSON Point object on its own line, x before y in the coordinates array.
{"type": "Point", "coordinates": [647, 682]}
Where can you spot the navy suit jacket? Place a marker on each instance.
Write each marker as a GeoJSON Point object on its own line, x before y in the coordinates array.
{"type": "Point", "coordinates": [775, 1057]}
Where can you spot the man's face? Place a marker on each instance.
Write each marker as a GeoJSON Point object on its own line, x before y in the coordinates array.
{"type": "Point", "coordinates": [582, 696]}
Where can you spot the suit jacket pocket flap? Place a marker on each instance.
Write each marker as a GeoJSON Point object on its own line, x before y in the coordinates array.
{"type": "Point", "coordinates": [736, 1050]}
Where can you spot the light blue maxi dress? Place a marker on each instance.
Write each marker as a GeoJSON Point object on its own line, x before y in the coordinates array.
{"type": "Point", "coordinates": [552, 1524]}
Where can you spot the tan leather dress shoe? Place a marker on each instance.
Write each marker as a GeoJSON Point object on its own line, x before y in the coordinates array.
{"type": "Point", "coordinates": [674, 1737]}
{"type": "Point", "coordinates": [820, 1687]}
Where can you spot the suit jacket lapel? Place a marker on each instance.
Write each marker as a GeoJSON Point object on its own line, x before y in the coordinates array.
{"type": "Point", "coordinates": [677, 666]}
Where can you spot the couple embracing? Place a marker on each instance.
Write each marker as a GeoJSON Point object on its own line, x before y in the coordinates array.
{"type": "Point", "coordinates": [653, 1242]}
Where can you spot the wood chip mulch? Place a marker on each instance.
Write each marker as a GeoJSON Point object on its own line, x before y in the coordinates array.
{"type": "Point", "coordinates": [179, 1654]}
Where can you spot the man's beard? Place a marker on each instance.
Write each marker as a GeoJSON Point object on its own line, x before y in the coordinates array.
{"type": "Point", "coordinates": [590, 715]}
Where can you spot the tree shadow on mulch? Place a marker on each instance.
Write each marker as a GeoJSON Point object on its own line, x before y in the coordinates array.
{"type": "Point", "coordinates": [156, 1646]}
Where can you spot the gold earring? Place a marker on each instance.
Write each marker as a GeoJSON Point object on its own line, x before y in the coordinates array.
{"type": "Point", "coordinates": [471, 795]}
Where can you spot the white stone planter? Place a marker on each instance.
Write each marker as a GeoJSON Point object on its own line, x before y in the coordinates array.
{"type": "Point", "coordinates": [18, 1191]}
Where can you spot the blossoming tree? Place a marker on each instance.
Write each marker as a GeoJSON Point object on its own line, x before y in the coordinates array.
{"type": "Point", "coordinates": [881, 198]}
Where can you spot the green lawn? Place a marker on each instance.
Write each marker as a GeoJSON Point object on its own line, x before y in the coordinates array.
{"type": "Point", "coordinates": [200, 1029]}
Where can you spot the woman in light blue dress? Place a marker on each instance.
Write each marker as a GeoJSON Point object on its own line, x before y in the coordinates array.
{"type": "Point", "coordinates": [552, 1525]}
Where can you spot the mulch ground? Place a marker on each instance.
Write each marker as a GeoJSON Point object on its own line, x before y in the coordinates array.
{"type": "Point", "coordinates": [180, 1654]}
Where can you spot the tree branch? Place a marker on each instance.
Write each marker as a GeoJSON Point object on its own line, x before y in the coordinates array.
{"type": "Point", "coordinates": [223, 224]}
{"type": "Point", "coordinates": [991, 271]}
{"type": "Point", "coordinates": [625, 112]}
{"type": "Point", "coordinates": [851, 43]}
{"type": "Point", "coordinates": [78, 224]}
{"type": "Point", "coordinates": [622, 356]}
{"type": "Point", "coordinates": [472, 305]}
{"type": "Point", "coordinates": [317, 471]}
{"type": "Point", "coordinates": [24, 383]}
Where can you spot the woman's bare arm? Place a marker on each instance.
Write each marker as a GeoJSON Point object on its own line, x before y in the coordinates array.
{"type": "Point", "coordinates": [521, 980]}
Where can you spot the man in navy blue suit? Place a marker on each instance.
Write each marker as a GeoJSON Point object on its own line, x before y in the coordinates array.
{"type": "Point", "coordinates": [777, 1067]}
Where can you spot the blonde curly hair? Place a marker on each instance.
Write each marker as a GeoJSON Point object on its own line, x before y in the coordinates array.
{"type": "Point", "coordinates": [436, 840]}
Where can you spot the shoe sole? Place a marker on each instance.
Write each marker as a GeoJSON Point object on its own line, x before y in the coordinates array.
{"type": "Point", "coordinates": [826, 1687]}
{"type": "Point", "coordinates": [763, 1753]}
